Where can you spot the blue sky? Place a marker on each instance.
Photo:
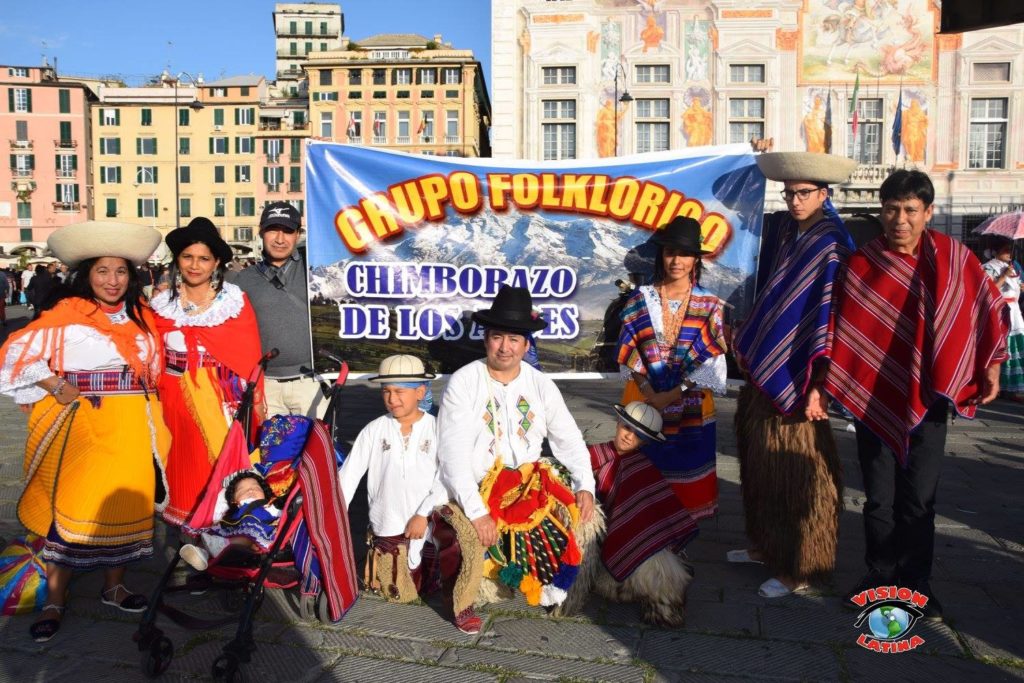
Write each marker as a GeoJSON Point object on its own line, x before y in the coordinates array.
{"type": "Point", "coordinates": [139, 38]}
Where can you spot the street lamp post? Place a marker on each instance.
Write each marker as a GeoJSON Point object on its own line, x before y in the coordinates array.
{"type": "Point", "coordinates": [195, 105]}
{"type": "Point", "coordinates": [626, 98]}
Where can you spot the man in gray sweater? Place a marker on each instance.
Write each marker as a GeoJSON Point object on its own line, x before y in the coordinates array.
{"type": "Point", "coordinates": [276, 286]}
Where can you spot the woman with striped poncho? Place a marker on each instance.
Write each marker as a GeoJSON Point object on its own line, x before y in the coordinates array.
{"type": "Point", "coordinates": [672, 348]}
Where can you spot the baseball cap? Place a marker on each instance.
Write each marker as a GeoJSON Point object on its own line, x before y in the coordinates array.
{"type": "Point", "coordinates": [281, 214]}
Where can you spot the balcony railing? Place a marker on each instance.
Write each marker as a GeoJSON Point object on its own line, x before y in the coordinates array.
{"type": "Point", "coordinates": [276, 125]}
{"type": "Point", "coordinates": [869, 174]}
{"type": "Point", "coordinates": [67, 206]}
{"type": "Point", "coordinates": [66, 172]}
{"type": "Point", "coordinates": [402, 140]}
{"type": "Point", "coordinates": [65, 144]}
{"type": "Point", "coordinates": [273, 187]}
{"type": "Point", "coordinates": [380, 140]}
{"type": "Point", "coordinates": [295, 187]}
{"type": "Point", "coordinates": [21, 172]}
{"type": "Point", "coordinates": [21, 144]}
{"type": "Point", "coordinates": [273, 158]}
{"type": "Point", "coordinates": [295, 158]}
{"type": "Point", "coordinates": [426, 139]}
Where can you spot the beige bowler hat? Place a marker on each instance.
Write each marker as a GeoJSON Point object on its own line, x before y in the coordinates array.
{"type": "Point", "coordinates": [642, 418]}
{"type": "Point", "coordinates": [401, 368]}
{"type": "Point", "coordinates": [75, 243]}
{"type": "Point", "coordinates": [809, 166]}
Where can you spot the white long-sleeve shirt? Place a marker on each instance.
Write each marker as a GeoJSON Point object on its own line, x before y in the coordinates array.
{"type": "Point", "coordinates": [86, 349]}
{"type": "Point", "coordinates": [528, 409]}
{"type": "Point", "coordinates": [401, 480]}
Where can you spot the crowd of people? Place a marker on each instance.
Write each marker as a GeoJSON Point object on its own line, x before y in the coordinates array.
{"type": "Point", "coordinates": [129, 395]}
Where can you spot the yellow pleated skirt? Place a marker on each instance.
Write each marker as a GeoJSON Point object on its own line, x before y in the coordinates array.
{"type": "Point", "coordinates": [93, 470]}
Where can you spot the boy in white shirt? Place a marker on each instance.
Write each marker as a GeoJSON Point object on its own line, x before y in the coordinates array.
{"type": "Point", "coordinates": [398, 454]}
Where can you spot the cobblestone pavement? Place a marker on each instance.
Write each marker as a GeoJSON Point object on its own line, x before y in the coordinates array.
{"type": "Point", "coordinates": [730, 634]}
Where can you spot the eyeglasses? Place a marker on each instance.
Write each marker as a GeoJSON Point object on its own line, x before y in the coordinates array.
{"type": "Point", "coordinates": [803, 194]}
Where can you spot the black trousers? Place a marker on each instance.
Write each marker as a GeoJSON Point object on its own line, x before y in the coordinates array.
{"type": "Point", "coordinates": [899, 513]}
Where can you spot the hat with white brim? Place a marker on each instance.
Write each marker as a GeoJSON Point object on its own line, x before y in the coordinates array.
{"type": "Point", "coordinates": [77, 242]}
{"type": "Point", "coordinates": [642, 419]}
{"type": "Point", "coordinates": [813, 167]}
{"type": "Point", "coordinates": [401, 368]}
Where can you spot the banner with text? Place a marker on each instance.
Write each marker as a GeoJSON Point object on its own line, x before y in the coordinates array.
{"type": "Point", "coordinates": [403, 248]}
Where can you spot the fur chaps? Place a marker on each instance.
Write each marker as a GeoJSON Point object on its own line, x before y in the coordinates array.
{"type": "Point", "coordinates": [791, 479]}
{"type": "Point", "coordinates": [659, 584]}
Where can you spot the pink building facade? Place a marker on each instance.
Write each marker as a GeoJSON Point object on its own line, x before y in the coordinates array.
{"type": "Point", "coordinates": [46, 183]}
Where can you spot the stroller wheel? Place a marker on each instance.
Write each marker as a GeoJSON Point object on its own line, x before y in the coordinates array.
{"type": "Point", "coordinates": [315, 608]}
{"type": "Point", "coordinates": [227, 668]}
{"type": "Point", "coordinates": [157, 658]}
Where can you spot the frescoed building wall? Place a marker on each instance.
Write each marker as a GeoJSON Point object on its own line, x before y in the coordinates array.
{"type": "Point", "coordinates": [715, 72]}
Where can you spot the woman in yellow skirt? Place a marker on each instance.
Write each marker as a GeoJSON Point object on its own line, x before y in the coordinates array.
{"type": "Point", "coordinates": [85, 371]}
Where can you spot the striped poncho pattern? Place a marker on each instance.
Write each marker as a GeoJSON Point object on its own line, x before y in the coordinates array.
{"type": "Point", "coordinates": [790, 324]}
{"type": "Point", "coordinates": [910, 331]}
{"type": "Point", "coordinates": [644, 515]}
{"type": "Point", "coordinates": [700, 338]}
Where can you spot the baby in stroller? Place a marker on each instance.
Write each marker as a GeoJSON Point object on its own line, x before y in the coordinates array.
{"type": "Point", "coordinates": [246, 515]}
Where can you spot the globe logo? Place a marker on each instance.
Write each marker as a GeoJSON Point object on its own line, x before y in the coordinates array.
{"type": "Point", "coordinates": [889, 622]}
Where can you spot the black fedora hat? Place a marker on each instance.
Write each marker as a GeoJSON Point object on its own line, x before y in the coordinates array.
{"type": "Point", "coordinates": [200, 230]}
{"type": "Point", "coordinates": [512, 310]}
{"type": "Point", "coordinates": [682, 233]}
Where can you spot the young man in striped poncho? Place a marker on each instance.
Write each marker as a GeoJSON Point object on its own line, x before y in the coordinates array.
{"type": "Point", "coordinates": [789, 467]}
{"type": "Point", "coordinates": [919, 325]}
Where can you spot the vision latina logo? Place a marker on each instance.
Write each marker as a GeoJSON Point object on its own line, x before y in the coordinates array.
{"type": "Point", "coordinates": [889, 614]}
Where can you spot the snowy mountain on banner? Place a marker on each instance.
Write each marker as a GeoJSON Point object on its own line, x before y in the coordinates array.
{"type": "Point", "coordinates": [593, 248]}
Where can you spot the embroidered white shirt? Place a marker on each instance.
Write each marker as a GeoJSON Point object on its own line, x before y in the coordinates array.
{"type": "Point", "coordinates": [529, 409]}
{"type": "Point", "coordinates": [402, 479]}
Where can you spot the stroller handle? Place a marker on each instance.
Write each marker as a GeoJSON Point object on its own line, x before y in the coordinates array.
{"type": "Point", "coordinates": [261, 366]}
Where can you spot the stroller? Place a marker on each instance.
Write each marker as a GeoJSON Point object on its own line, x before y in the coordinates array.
{"type": "Point", "coordinates": [311, 546]}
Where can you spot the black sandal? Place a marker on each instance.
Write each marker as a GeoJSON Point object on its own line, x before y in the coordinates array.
{"type": "Point", "coordinates": [133, 602]}
{"type": "Point", "coordinates": [44, 629]}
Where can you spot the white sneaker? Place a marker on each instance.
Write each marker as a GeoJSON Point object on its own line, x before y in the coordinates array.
{"type": "Point", "coordinates": [196, 557]}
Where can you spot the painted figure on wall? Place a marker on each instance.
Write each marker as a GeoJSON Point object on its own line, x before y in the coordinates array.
{"type": "Point", "coordinates": [914, 131]}
{"type": "Point", "coordinates": [524, 41]}
{"type": "Point", "coordinates": [611, 43]}
{"type": "Point", "coordinates": [814, 125]}
{"type": "Point", "coordinates": [698, 43]}
{"type": "Point", "coordinates": [608, 119]}
{"type": "Point", "coordinates": [884, 39]}
{"type": "Point", "coordinates": [652, 34]}
{"type": "Point", "coordinates": [697, 124]}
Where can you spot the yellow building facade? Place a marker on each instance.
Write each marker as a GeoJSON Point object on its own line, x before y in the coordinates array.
{"type": "Point", "coordinates": [163, 156]}
{"type": "Point", "coordinates": [400, 91]}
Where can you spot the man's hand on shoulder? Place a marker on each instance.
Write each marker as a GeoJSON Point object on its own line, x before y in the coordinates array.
{"type": "Point", "coordinates": [585, 503]}
{"type": "Point", "coordinates": [486, 530]}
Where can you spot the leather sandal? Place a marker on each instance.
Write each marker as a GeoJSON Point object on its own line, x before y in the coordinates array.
{"type": "Point", "coordinates": [44, 629]}
{"type": "Point", "coordinates": [133, 602]}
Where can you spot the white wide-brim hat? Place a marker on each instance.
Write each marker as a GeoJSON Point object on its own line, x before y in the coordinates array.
{"type": "Point", "coordinates": [75, 243]}
{"type": "Point", "coordinates": [401, 368]}
{"type": "Point", "coordinates": [642, 418]}
{"type": "Point", "coordinates": [812, 167]}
